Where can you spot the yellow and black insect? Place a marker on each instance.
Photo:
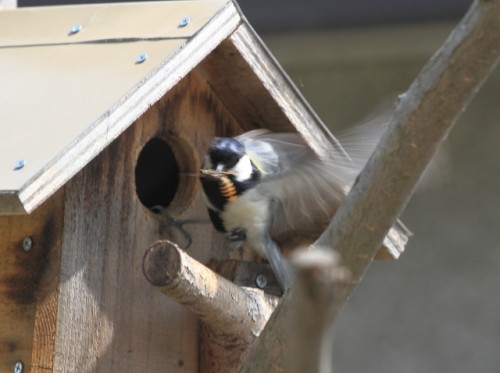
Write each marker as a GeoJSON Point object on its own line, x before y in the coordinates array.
{"type": "Point", "coordinates": [227, 189]}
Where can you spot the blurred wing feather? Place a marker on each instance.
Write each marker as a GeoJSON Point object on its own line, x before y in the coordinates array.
{"type": "Point", "coordinates": [301, 187]}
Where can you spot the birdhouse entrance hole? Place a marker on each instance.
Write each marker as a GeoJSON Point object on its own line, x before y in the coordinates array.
{"type": "Point", "coordinates": [156, 174]}
{"type": "Point", "coordinates": [162, 174]}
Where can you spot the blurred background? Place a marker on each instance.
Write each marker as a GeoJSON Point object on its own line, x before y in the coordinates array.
{"type": "Point", "coordinates": [437, 309]}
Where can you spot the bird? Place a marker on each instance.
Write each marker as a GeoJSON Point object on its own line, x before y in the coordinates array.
{"type": "Point", "coordinates": [272, 192]}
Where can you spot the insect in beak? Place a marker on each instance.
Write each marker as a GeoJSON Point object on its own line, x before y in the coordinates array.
{"type": "Point", "coordinates": [209, 174]}
{"type": "Point", "coordinates": [214, 174]}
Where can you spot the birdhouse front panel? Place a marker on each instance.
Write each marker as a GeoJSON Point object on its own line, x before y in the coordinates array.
{"type": "Point", "coordinates": [110, 318]}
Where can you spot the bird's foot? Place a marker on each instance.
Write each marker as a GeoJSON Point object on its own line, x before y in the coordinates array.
{"type": "Point", "coordinates": [177, 223]}
{"type": "Point", "coordinates": [236, 238]}
{"type": "Point", "coordinates": [238, 235]}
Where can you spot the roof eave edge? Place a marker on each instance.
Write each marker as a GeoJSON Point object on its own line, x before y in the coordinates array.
{"type": "Point", "coordinates": [114, 122]}
{"type": "Point", "coordinates": [284, 91]}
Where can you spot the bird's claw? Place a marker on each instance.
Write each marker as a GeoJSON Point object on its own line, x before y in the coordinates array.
{"type": "Point", "coordinates": [177, 223]}
{"type": "Point", "coordinates": [236, 238]}
{"type": "Point", "coordinates": [238, 235]}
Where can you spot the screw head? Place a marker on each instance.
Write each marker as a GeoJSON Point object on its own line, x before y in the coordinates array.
{"type": "Point", "coordinates": [27, 244]}
{"type": "Point", "coordinates": [75, 29]}
{"type": "Point", "coordinates": [261, 281]}
{"type": "Point", "coordinates": [184, 21]}
{"type": "Point", "coordinates": [141, 58]}
{"type": "Point", "coordinates": [19, 367]}
{"type": "Point", "coordinates": [19, 164]}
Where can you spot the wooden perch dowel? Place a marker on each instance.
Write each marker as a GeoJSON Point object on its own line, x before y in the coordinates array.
{"type": "Point", "coordinates": [232, 316]}
{"type": "Point", "coordinates": [421, 122]}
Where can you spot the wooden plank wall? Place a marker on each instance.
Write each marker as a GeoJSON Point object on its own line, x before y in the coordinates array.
{"type": "Point", "coordinates": [29, 286]}
{"type": "Point", "coordinates": [110, 318]}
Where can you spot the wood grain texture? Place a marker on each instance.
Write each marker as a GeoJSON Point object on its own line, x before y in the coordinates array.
{"type": "Point", "coordinates": [283, 91]}
{"type": "Point", "coordinates": [110, 318]}
{"type": "Point", "coordinates": [272, 100]}
{"type": "Point", "coordinates": [29, 286]}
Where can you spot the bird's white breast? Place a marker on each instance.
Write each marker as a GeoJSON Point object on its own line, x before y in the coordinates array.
{"type": "Point", "coordinates": [249, 212]}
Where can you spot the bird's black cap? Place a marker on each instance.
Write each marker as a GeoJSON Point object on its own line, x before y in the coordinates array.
{"type": "Point", "coordinates": [226, 151]}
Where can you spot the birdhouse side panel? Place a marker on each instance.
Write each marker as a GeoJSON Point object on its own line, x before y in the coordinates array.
{"type": "Point", "coordinates": [30, 247]}
{"type": "Point", "coordinates": [110, 318]}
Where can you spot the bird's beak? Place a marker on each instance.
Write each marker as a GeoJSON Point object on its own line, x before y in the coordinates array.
{"type": "Point", "coordinates": [210, 174]}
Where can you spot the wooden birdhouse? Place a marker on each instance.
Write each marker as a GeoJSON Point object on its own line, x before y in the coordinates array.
{"type": "Point", "coordinates": [107, 111]}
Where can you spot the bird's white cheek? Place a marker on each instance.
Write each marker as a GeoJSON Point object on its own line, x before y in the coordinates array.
{"type": "Point", "coordinates": [243, 169]}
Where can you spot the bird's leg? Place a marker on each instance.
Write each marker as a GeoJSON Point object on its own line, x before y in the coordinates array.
{"type": "Point", "coordinates": [236, 238]}
{"type": "Point", "coordinates": [238, 235]}
{"type": "Point", "coordinates": [282, 270]}
{"type": "Point", "coordinates": [177, 223]}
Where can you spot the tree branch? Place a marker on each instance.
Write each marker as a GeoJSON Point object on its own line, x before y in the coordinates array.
{"type": "Point", "coordinates": [319, 279]}
{"type": "Point", "coordinates": [296, 333]}
{"type": "Point", "coordinates": [421, 122]}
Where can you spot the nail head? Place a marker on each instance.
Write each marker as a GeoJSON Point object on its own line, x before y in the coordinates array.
{"type": "Point", "coordinates": [261, 281]}
{"type": "Point", "coordinates": [27, 244]}
{"type": "Point", "coordinates": [19, 164]}
{"type": "Point", "coordinates": [19, 367]}
{"type": "Point", "coordinates": [184, 21]}
{"type": "Point", "coordinates": [75, 29]}
{"type": "Point", "coordinates": [141, 58]}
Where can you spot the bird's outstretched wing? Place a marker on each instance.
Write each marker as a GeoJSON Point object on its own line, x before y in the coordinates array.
{"type": "Point", "coordinates": [303, 189]}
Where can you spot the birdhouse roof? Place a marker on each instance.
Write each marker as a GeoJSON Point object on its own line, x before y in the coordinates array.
{"type": "Point", "coordinates": [75, 77]}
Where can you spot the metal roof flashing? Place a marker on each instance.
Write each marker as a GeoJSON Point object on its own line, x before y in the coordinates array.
{"type": "Point", "coordinates": [75, 77]}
